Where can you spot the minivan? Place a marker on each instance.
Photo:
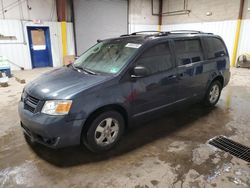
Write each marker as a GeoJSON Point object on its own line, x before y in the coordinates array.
{"type": "Point", "coordinates": [93, 100]}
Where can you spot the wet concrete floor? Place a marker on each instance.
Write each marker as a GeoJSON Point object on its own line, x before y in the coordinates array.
{"type": "Point", "coordinates": [169, 151]}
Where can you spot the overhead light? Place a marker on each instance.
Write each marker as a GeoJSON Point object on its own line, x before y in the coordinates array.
{"type": "Point", "coordinates": [248, 9]}
{"type": "Point", "coordinates": [209, 13]}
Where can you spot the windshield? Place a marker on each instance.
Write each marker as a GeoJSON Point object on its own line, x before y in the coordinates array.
{"type": "Point", "coordinates": [107, 57]}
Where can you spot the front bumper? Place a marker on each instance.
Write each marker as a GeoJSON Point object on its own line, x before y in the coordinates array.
{"type": "Point", "coordinates": [52, 131]}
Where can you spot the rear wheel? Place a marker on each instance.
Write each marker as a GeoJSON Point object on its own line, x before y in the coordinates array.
{"type": "Point", "coordinates": [104, 131]}
{"type": "Point", "coordinates": [213, 93]}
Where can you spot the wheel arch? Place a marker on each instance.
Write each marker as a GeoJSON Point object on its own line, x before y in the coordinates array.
{"type": "Point", "coordinates": [110, 107]}
{"type": "Point", "coordinates": [214, 77]}
{"type": "Point", "coordinates": [220, 79]}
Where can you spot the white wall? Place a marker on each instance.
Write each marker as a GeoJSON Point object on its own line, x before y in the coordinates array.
{"type": "Point", "coordinates": [244, 42]}
{"type": "Point", "coordinates": [28, 10]}
{"type": "Point", "coordinates": [17, 51]}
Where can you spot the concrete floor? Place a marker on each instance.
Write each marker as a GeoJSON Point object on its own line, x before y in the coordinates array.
{"type": "Point", "coordinates": [170, 151]}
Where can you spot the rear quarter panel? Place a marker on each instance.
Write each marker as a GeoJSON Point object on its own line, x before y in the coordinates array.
{"type": "Point", "coordinates": [219, 66]}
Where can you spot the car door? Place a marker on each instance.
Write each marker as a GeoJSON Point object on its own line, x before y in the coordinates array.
{"type": "Point", "coordinates": [190, 67]}
{"type": "Point", "coordinates": [159, 87]}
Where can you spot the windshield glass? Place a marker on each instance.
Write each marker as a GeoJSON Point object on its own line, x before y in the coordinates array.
{"type": "Point", "coordinates": [107, 57]}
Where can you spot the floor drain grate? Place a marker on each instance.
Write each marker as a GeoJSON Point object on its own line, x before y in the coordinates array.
{"type": "Point", "coordinates": [234, 148]}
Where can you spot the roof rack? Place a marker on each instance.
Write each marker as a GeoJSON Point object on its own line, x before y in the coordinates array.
{"type": "Point", "coordinates": [164, 33]}
{"type": "Point", "coordinates": [185, 31]}
{"type": "Point", "coordinates": [141, 32]}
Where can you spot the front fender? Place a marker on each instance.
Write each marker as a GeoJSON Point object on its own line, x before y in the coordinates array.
{"type": "Point", "coordinates": [86, 103]}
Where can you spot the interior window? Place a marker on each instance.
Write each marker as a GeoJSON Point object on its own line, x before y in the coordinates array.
{"type": "Point", "coordinates": [157, 58]}
{"type": "Point", "coordinates": [215, 47]}
{"type": "Point", "coordinates": [188, 51]}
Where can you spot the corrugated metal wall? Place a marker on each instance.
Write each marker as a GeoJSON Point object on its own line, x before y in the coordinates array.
{"type": "Point", "coordinates": [17, 51]}
{"type": "Point", "coordinates": [244, 43]}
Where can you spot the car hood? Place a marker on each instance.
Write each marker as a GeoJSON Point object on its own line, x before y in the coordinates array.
{"type": "Point", "coordinates": [62, 83]}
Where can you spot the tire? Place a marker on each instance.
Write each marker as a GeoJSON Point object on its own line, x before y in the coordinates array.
{"type": "Point", "coordinates": [213, 93]}
{"type": "Point", "coordinates": [104, 131]}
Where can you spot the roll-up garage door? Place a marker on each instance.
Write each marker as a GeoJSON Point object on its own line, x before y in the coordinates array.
{"type": "Point", "coordinates": [99, 19]}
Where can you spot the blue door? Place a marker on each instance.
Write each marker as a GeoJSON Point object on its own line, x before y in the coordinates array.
{"type": "Point", "coordinates": [40, 48]}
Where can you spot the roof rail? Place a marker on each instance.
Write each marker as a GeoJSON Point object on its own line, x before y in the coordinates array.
{"type": "Point", "coordinates": [124, 35]}
{"type": "Point", "coordinates": [184, 31]}
{"type": "Point", "coordinates": [164, 33]}
{"type": "Point", "coordinates": [141, 32]}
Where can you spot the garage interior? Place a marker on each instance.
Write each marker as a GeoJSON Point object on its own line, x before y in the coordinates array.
{"type": "Point", "coordinates": [171, 150]}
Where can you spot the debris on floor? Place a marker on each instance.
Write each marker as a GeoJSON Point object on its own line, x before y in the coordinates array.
{"type": "Point", "coordinates": [4, 80]}
{"type": "Point", "coordinates": [20, 80]}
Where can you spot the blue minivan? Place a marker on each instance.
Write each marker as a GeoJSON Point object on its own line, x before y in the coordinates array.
{"type": "Point", "coordinates": [93, 100]}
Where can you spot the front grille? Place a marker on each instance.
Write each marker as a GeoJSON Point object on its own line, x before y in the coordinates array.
{"type": "Point", "coordinates": [232, 147]}
{"type": "Point", "coordinates": [30, 103]}
{"type": "Point", "coordinates": [37, 137]}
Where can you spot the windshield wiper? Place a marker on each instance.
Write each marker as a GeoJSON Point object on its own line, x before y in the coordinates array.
{"type": "Point", "coordinates": [74, 67]}
{"type": "Point", "coordinates": [78, 68]}
{"type": "Point", "coordinates": [86, 70]}
{"type": "Point", "coordinates": [89, 71]}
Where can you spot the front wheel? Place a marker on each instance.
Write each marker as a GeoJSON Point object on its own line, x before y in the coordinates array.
{"type": "Point", "coordinates": [104, 131]}
{"type": "Point", "coordinates": [213, 94]}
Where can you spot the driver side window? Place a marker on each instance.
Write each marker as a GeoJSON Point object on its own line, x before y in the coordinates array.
{"type": "Point", "coordinates": [157, 58]}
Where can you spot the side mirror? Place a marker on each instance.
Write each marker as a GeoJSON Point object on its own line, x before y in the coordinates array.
{"type": "Point", "coordinates": [139, 72]}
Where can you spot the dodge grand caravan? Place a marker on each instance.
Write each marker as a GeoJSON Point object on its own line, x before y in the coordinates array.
{"type": "Point", "coordinates": [118, 80]}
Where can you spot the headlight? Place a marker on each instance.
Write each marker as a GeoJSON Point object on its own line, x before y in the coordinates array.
{"type": "Point", "coordinates": [57, 107]}
{"type": "Point", "coordinates": [23, 95]}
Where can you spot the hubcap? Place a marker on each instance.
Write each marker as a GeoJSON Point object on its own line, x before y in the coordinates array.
{"type": "Point", "coordinates": [107, 131]}
{"type": "Point", "coordinates": [214, 93]}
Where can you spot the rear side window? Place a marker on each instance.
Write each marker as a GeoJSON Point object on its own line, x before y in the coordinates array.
{"type": "Point", "coordinates": [157, 58]}
{"type": "Point", "coordinates": [188, 51]}
{"type": "Point", "coordinates": [215, 47]}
